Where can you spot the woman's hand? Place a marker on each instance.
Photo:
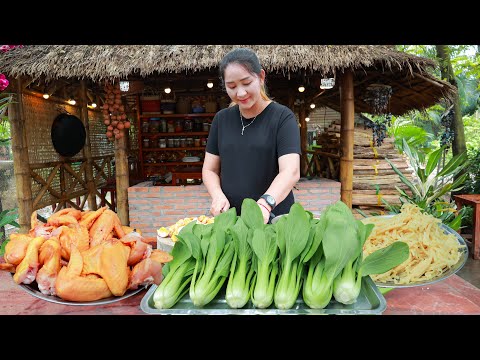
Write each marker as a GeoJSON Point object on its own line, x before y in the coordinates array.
{"type": "Point", "coordinates": [219, 204]}
{"type": "Point", "coordinates": [265, 213]}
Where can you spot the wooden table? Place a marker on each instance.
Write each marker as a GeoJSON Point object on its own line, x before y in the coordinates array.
{"type": "Point", "coordinates": [473, 200]}
{"type": "Point", "coordinates": [450, 296]}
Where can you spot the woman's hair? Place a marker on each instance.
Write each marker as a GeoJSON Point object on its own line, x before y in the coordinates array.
{"type": "Point", "coordinates": [246, 58]}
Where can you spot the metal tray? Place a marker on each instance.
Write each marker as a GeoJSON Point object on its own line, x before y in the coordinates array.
{"type": "Point", "coordinates": [461, 262]}
{"type": "Point", "coordinates": [370, 301]}
{"type": "Point", "coordinates": [32, 289]}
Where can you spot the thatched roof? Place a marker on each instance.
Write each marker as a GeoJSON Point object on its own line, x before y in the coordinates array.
{"type": "Point", "coordinates": [414, 86]}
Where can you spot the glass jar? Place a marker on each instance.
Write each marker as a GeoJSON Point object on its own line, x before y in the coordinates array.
{"type": "Point", "coordinates": [162, 143]}
{"type": "Point", "coordinates": [205, 126]}
{"type": "Point", "coordinates": [170, 126]}
{"type": "Point", "coordinates": [145, 126]}
{"type": "Point", "coordinates": [198, 125]}
{"type": "Point", "coordinates": [163, 125]}
{"type": "Point", "coordinates": [188, 124]}
{"type": "Point", "coordinates": [197, 142]}
{"type": "Point", "coordinates": [154, 125]}
{"type": "Point", "coordinates": [178, 125]}
{"type": "Point", "coordinates": [170, 143]}
{"type": "Point", "coordinates": [176, 142]}
{"type": "Point", "coordinates": [146, 143]}
{"type": "Point", "coordinates": [203, 141]}
{"type": "Point", "coordinates": [183, 142]}
{"type": "Point", "coordinates": [189, 142]}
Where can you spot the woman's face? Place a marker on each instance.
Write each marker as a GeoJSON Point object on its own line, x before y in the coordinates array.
{"type": "Point", "coordinates": [242, 86]}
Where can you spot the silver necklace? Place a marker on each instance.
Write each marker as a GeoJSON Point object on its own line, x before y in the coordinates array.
{"type": "Point", "coordinates": [244, 126]}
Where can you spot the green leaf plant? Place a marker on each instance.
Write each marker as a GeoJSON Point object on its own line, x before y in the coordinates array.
{"type": "Point", "coordinates": [431, 189]}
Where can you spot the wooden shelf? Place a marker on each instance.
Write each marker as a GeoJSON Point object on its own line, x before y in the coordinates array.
{"type": "Point", "coordinates": [174, 163]}
{"type": "Point", "coordinates": [144, 116]}
{"type": "Point", "coordinates": [198, 133]}
{"type": "Point", "coordinates": [174, 149]}
{"type": "Point", "coordinates": [148, 169]}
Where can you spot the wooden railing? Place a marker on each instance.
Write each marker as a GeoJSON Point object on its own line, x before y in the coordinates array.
{"type": "Point", "coordinates": [322, 164]}
{"type": "Point", "coordinates": [66, 184]}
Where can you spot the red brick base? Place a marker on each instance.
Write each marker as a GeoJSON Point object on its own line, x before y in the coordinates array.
{"type": "Point", "coordinates": [151, 207]}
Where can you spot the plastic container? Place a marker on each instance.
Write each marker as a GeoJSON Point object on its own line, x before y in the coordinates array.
{"type": "Point", "coordinates": [165, 244]}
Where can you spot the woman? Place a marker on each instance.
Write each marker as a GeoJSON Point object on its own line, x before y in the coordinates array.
{"type": "Point", "coordinates": [253, 148]}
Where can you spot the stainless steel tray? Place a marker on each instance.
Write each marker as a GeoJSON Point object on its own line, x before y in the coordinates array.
{"type": "Point", "coordinates": [370, 301]}
{"type": "Point", "coordinates": [32, 289]}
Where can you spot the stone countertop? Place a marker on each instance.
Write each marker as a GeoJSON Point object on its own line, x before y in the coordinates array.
{"type": "Point", "coordinates": [450, 296]}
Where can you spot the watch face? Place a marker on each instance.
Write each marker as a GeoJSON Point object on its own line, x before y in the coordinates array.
{"type": "Point", "coordinates": [270, 200]}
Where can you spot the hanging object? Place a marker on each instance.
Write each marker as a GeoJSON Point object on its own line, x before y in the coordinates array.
{"type": "Point", "coordinates": [327, 83]}
{"type": "Point", "coordinates": [124, 86]}
{"type": "Point", "coordinates": [446, 119]}
{"type": "Point", "coordinates": [68, 135]}
{"type": "Point", "coordinates": [378, 96]}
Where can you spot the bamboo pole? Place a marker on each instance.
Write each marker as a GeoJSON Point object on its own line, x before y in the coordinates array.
{"type": "Point", "coordinates": [303, 139]}
{"type": "Point", "coordinates": [347, 113]}
{"type": "Point", "coordinates": [21, 161]}
{"type": "Point", "coordinates": [122, 177]}
{"type": "Point", "coordinates": [62, 203]}
{"type": "Point", "coordinates": [87, 149]}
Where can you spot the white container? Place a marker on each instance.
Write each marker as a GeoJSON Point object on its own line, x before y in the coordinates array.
{"type": "Point", "coordinates": [165, 244]}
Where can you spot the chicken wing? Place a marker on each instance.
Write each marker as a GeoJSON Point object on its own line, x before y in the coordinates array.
{"type": "Point", "coordinates": [49, 257]}
{"type": "Point", "coordinates": [16, 248]}
{"type": "Point", "coordinates": [26, 271]}
{"type": "Point", "coordinates": [109, 260]}
{"type": "Point", "coordinates": [74, 234]}
{"type": "Point", "coordinates": [89, 217]}
{"type": "Point", "coordinates": [72, 286]}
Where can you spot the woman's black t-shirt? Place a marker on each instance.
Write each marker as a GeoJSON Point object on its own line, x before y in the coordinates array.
{"type": "Point", "coordinates": [249, 162]}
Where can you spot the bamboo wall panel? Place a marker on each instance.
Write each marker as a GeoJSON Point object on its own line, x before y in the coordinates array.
{"type": "Point", "coordinates": [99, 143]}
{"type": "Point", "coordinates": [39, 116]}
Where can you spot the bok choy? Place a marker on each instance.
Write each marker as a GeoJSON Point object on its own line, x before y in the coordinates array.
{"type": "Point", "coordinates": [215, 255]}
{"type": "Point", "coordinates": [292, 238]}
{"type": "Point", "coordinates": [177, 276]}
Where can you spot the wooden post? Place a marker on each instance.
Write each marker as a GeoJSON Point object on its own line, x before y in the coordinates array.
{"type": "Point", "coordinates": [87, 149]}
{"type": "Point", "coordinates": [122, 177]}
{"type": "Point", "coordinates": [21, 161]}
{"type": "Point", "coordinates": [347, 114]}
{"type": "Point", "coordinates": [303, 139]}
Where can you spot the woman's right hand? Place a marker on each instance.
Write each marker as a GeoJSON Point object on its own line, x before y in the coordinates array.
{"type": "Point", "coordinates": [219, 204]}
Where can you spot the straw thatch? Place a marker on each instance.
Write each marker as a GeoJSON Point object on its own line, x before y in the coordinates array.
{"type": "Point", "coordinates": [118, 61]}
{"type": "Point", "coordinates": [415, 87]}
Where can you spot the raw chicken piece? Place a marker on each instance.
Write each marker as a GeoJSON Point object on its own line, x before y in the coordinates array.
{"type": "Point", "coordinates": [103, 226]}
{"type": "Point", "coordinates": [89, 217]}
{"type": "Point", "coordinates": [72, 286]}
{"type": "Point", "coordinates": [26, 271]}
{"type": "Point", "coordinates": [139, 249]}
{"type": "Point", "coordinates": [49, 257]}
{"type": "Point", "coordinates": [74, 234]}
{"type": "Point", "coordinates": [149, 270]}
{"type": "Point", "coordinates": [109, 260]}
{"type": "Point", "coordinates": [64, 217]}
{"type": "Point", "coordinates": [16, 248]}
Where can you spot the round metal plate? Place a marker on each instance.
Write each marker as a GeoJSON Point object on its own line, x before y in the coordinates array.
{"type": "Point", "coordinates": [461, 262]}
{"type": "Point", "coordinates": [32, 289]}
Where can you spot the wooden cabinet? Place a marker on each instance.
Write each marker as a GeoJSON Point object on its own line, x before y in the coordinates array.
{"type": "Point", "coordinates": [172, 143]}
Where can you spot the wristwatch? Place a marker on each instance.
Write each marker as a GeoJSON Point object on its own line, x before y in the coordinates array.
{"type": "Point", "coordinates": [270, 200]}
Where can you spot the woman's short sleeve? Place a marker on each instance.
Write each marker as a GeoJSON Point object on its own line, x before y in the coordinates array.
{"type": "Point", "coordinates": [212, 143]}
{"type": "Point", "coordinates": [288, 135]}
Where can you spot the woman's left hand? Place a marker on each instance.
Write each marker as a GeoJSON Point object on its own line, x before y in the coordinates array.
{"type": "Point", "coordinates": [265, 213]}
